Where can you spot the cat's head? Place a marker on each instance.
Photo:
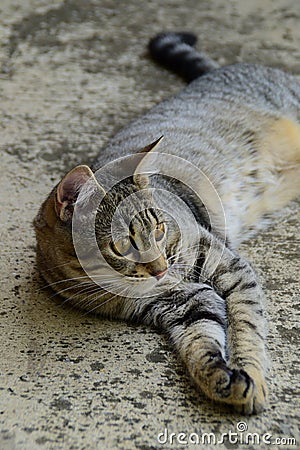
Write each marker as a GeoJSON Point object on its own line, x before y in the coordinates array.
{"type": "Point", "coordinates": [136, 239]}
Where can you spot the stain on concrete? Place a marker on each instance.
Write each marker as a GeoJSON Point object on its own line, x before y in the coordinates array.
{"type": "Point", "coordinates": [96, 366]}
{"type": "Point", "coordinates": [61, 404]}
{"type": "Point", "coordinates": [157, 356]}
{"type": "Point", "coordinates": [41, 29]}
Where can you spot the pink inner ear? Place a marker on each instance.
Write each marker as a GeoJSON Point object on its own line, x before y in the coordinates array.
{"type": "Point", "coordinates": [69, 188]}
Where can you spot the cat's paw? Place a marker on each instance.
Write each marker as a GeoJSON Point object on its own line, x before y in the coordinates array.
{"type": "Point", "coordinates": [247, 394]}
{"type": "Point", "coordinates": [256, 402]}
{"type": "Point", "coordinates": [232, 386]}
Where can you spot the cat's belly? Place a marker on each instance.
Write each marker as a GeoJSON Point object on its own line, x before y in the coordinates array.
{"type": "Point", "coordinates": [267, 183]}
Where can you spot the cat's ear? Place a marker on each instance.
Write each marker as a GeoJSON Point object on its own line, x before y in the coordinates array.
{"type": "Point", "coordinates": [69, 188]}
{"type": "Point", "coordinates": [140, 177]}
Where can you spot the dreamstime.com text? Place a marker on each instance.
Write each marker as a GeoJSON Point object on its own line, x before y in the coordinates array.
{"type": "Point", "coordinates": [238, 436]}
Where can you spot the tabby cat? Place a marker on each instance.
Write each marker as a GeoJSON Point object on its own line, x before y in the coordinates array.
{"type": "Point", "coordinates": [149, 234]}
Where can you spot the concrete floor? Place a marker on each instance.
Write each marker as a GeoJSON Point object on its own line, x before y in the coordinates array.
{"type": "Point", "coordinates": [71, 73]}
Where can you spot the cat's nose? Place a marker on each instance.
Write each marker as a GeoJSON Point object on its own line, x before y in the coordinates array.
{"type": "Point", "coordinates": [157, 268]}
{"type": "Point", "coordinates": [159, 274]}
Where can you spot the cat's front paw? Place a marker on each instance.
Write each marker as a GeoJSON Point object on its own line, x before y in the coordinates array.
{"type": "Point", "coordinates": [245, 391]}
{"type": "Point", "coordinates": [257, 401]}
{"type": "Point", "coordinates": [231, 386]}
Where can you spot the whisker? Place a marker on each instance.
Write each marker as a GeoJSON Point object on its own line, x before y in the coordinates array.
{"type": "Point", "coordinates": [126, 289]}
{"type": "Point", "coordinates": [65, 280]}
{"type": "Point", "coordinates": [58, 266]}
{"type": "Point", "coordinates": [81, 291]}
{"type": "Point", "coordinates": [102, 304]}
{"type": "Point", "coordinates": [81, 283]}
{"type": "Point", "coordinates": [91, 293]}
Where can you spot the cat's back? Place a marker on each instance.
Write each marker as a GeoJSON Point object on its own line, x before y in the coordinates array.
{"type": "Point", "coordinates": [248, 85]}
{"type": "Point", "coordinates": [216, 106]}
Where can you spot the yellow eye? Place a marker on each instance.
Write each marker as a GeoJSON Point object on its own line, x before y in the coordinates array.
{"type": "Point", "coordinates": [159, 232]}
{"type": "Point", "coordinates": [122, 247]}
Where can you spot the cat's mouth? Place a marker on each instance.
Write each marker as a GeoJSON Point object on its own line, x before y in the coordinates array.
{"type": "Point", "coordinates": [159, 274]}
{"type": "Point", "coordinates": [142, 273]}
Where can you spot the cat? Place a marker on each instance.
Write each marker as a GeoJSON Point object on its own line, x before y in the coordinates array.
{"type": "Point", "coordinates": [150, 233]}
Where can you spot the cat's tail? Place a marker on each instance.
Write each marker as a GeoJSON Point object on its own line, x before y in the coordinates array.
{"type": "Point", "coordinates": [175, 52]}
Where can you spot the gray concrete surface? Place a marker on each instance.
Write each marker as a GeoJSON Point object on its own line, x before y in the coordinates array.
{"type": "Point", "coordinates": [72, 72]}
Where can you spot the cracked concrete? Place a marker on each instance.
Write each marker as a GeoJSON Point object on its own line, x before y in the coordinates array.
{"type": "Point", "coordinates": [71, 73]}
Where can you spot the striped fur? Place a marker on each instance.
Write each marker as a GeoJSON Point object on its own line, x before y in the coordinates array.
{"type": "Point", "coordinates": [241, 126]}
{"type": "Point", "coordinates": [175, 52]}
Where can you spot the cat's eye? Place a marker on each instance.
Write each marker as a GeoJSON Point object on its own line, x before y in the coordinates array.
{"type": "Point", "coordinates": [122, 247]}
{"type": "Point", "coordinates": [159, 232]}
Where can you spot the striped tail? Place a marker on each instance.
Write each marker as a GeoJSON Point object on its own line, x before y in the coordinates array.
{"type": "Point", "coordinates": [175, 52]}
